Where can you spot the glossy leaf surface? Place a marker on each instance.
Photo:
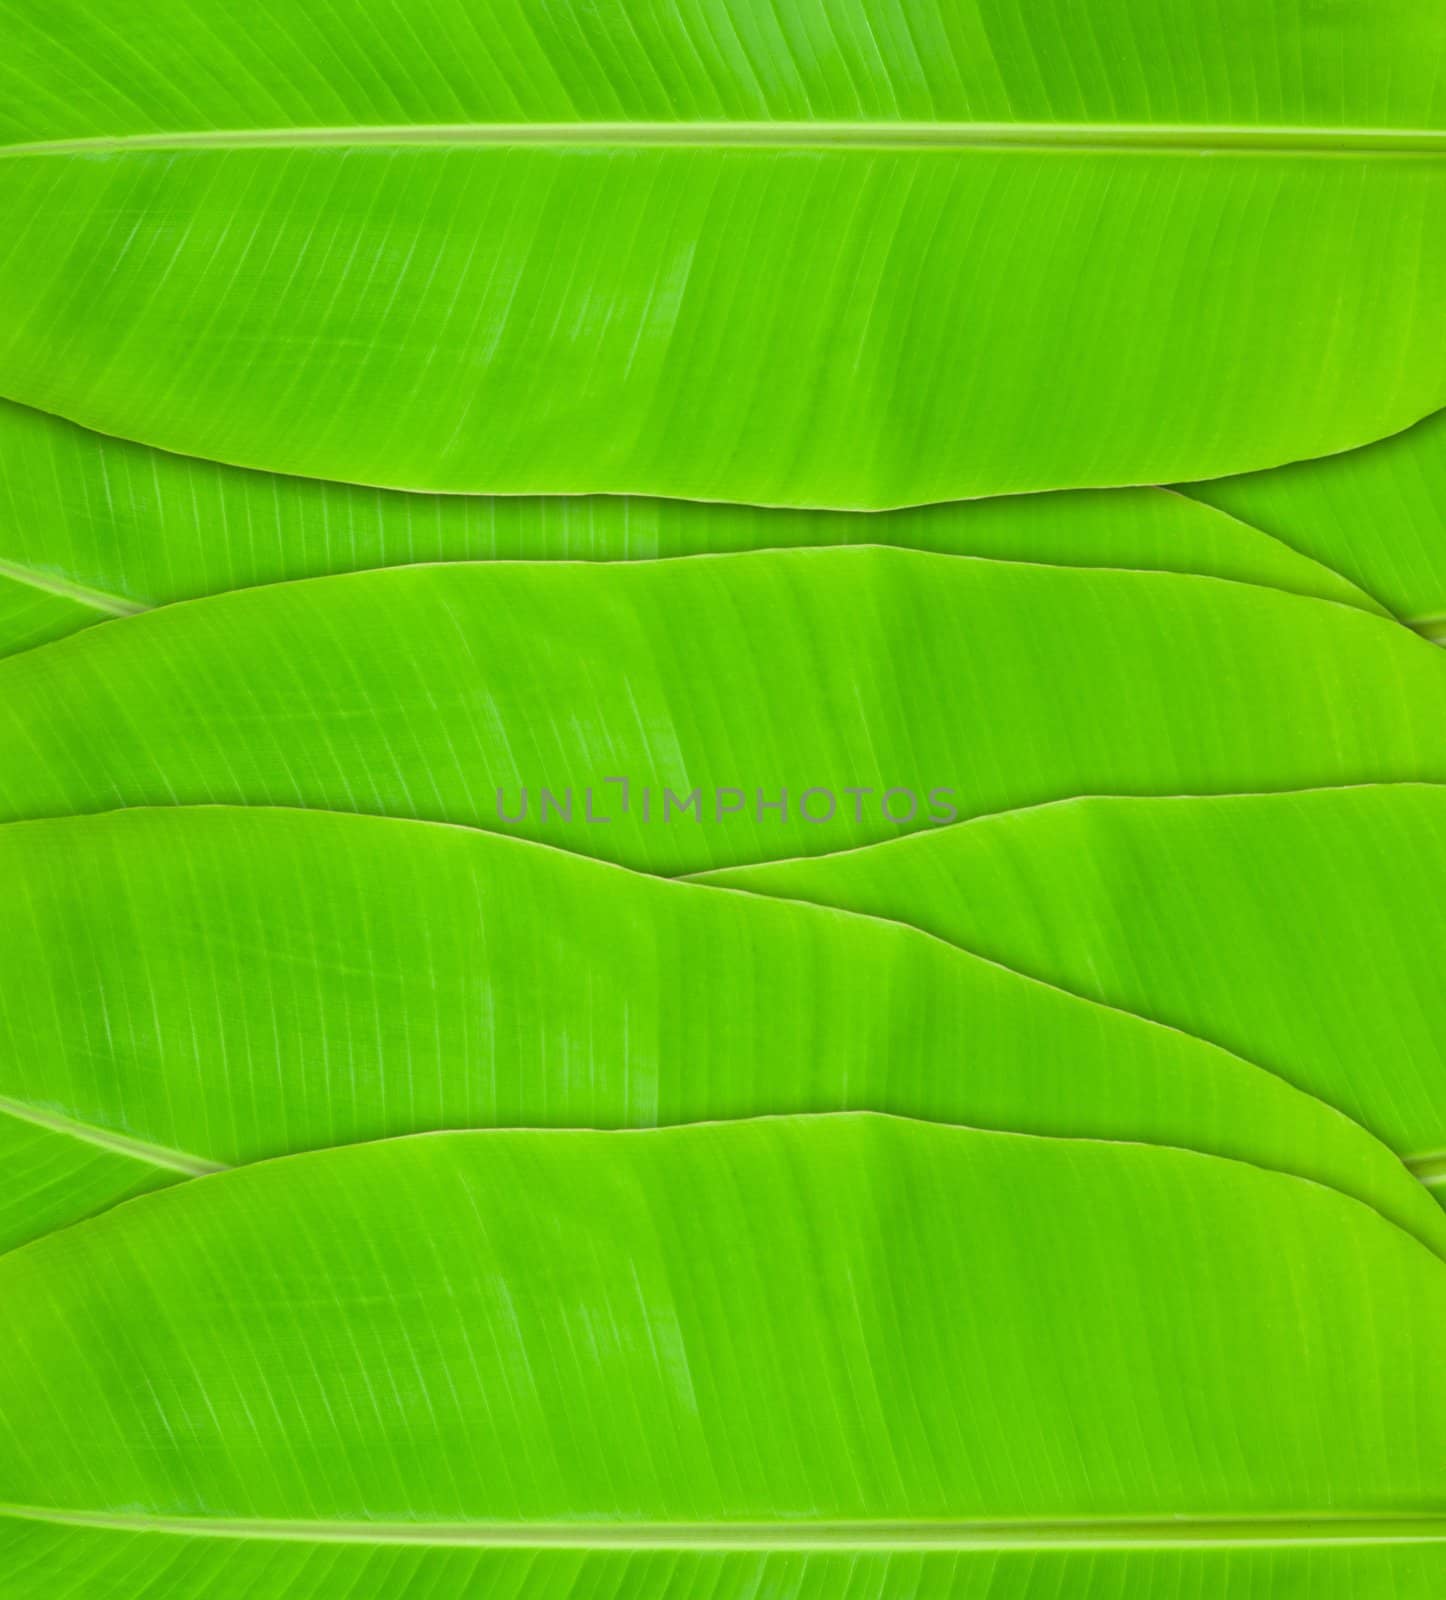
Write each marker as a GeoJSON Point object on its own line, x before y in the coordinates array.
{"type": "Point", "coordinates": [426, 691]}
{"type": "Point", "coordinates": [1178, 1353]}
{"type": "Point", "coordinates": [189, 988]}
{"type": "Point", "coordinates": [35, 612]}
{"type": "Point", "coordinates": [95, 527]}
{"type": "Point", "coordinates": [177, 65]}
{"type": "Point", "coordinates": [1303, 930]}
{"type": "Point", "coordinates": [69, 1562]}
{"type": "Point", "coordinates": [884, 256]}
{"type": "Point", "coordinates": [1377, 514]}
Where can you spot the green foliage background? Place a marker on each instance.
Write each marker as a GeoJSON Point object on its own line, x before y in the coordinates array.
{"type": "Point", "coordinates": [1034, 409]}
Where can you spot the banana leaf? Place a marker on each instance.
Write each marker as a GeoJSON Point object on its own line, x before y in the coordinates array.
{"type": "Point", "coordinates": [884, 255]}
{"type": "Point", "coordinates": [1377, 514]}
{"type": "Point", "coordinates": [841, 1355]}
{"type": "Point", "coordinates": [95, 527]}
{"type": "Point", "coordinates": [716, 710]}
{"type": "Point", "coordinates": [1302, 930]}
{"type": "Point", "coordinates": [191, 988]}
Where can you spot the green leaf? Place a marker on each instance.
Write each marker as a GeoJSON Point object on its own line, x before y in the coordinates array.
{"type": "Point", "coordinates": [860, 1347]}
{"type": "Point", "coordinates": [1230, 63]}
{"type": "Point", "coordinates": [1301, 930]}
{"type": "Point", "coordinates": [1375, 514]}
{"type": "Point", "coordinates": [97, 526]}
{"type": "Point", "coordinates": [35, 610]}
{"type": "Point", "coordinates": [209, 987]}
{"type": "Point", "coordinates": [58, 1170]}
{"type": "Point", "coordinates": [110, 1562]}
{"type": "Point", "coordinates": [902, 254]}
{"type": "Point", "coordinates": [946, 681]}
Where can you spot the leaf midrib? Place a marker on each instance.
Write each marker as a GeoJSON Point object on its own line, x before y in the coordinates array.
{"type": "Point", "coordinates": [1313, 1528]}
{"type": "Point", "coordinates": [1186, 138]}
{"type": "Point", "coordinates": [155, 1155]}
{"type": "Point", "coordinates": [63, 588]}
{"type": "Point", "coordinates": [1429, 1167]}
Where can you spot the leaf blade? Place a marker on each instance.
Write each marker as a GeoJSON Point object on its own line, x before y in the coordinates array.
{"type": "Point", "coordinates": [577, 1229]}
{"type": "Point", "coordinates": [881, 61]}
{"type": "Point", "coordinates": [125, 527]}
{"type": "Point", "coordinates": [226, 325]}
{"type": "Point", "coordinates": [1375, 513]}
{"type": "Point", "coordinates": [106, 1563]}
{"type": "Point", "coordinates": [1299, 929]}
{"type": "Point", "coordinates": [427, 691]}
{"type": "Point", "coordinates": [230, 985]}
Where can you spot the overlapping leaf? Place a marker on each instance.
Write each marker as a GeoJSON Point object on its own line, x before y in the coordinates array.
{"type": "Point", "coordinates": [1377, 514]}
{"type": "Point", "coordinates": [199, 987]}
{"type": "Point", "coordinates": [1302, 930]}
{"type": "Point", "coordinates": [896, 256]}
{"type": "Point", "coordinates": [96, 527]}
{"type": "Point", "coordinates": [859, 1340]}
{"type": "Point", "coordinates": [924, 682]}
{"type": "Point", "coordinates": [866, 254]}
